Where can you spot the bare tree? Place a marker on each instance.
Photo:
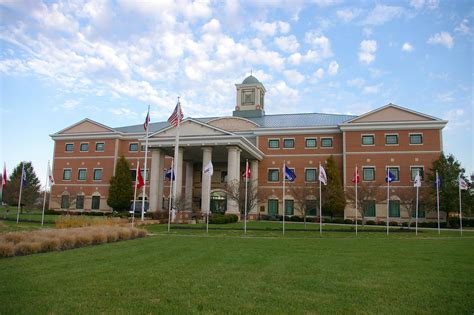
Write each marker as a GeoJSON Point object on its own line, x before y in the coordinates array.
{"type": "Point", "coordinates": [366, 191]}
{"type": "Point", "coordinates": [408, 199]}
{"type": "Point", "coordinates": [235, 191]}
{"type": "Point", "coordinates": [300, 195]}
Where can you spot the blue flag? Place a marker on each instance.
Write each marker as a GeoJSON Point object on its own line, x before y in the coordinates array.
{"type": "Point", "coordinates": [289, 174]}
{"type": "Point", "coordinates": [437, 182]}
{"type": "Point", "coordinates": [168, 173]}
{"type": "Point", "coordinates": [390, 178]}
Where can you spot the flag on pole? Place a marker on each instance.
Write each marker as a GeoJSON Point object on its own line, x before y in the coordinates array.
{"type": "Point", "coordinates": [147, 120]}
{"type": "Point", "coordinates": [247, 170]}
{"type": "Point", "coordinates": [177, 115]}
{"type": "Point", "coordinates": [322, 175]}
{"type": "Point", "coordinates": [168, 173]}
{"type": "Point", "coordinates": [24, 181]}
{"type": "Point", "coordinates": [289, 174]}
{"type": "Point", "coordinates": [417, 181]}
{"type": "Point", "coordinates": [140, 182]}
{"type": "Point", "coordinates": [50, 176]}
{"type": "Point", "coordinates": [208, 169]}
{"type": "Point", "coordinates": [356, 178]}
{"type": "Point", "coordinates": [4, 176]}
{"type": "Point", "coordinates": [390, 177]}
{"type": "Point", "coordinates": [462, 184]}
{"type": "Point", "coordinates": [437, 181]}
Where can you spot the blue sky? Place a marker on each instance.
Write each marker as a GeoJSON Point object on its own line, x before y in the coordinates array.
{"type": "Point", "coordinates": [107, 60]}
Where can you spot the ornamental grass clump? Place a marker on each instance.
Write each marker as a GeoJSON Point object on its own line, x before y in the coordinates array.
{"type": "Point", "coordinates": [72, 221]}
{"type": "Point", "coordinates": [31, 242]}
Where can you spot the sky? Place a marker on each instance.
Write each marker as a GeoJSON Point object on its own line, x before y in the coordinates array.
{"type": "Point", "coordinates": [63, 61]}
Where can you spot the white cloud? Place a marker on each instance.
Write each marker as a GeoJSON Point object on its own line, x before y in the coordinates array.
{"type": "Point", "coordinates": [293, 76]}
{"type": "Point", "coordinates": [333, 68]}
{"type": "Point", "coordinates": [287, 43]}
{"type": "Point", "coordinates": [213, 26]}
{"type": "Point", "coordinates": [326, 3]}
{"type": "Point", "coordinates": [443, 38]}
{"type": "Point", "coordinates": [367, 51]}
{"type": "Point", "coordinates": [372, 89]}
{"type": "Point", "coordinates": [310, 56]}
{"type": "Point", "coordinates": [270, 29]}
{"type": "Point", "coordinates": [348, 15]}
{"type": "Point", "coordinates": [420, 4]}
{"type": "Point", "coordinates": [122, 111]}
{"type": "Point", "coordinates": [382, 14]}
{"type": "Point", "coordinates": [319, 74]}
{"type": "Point", "coordinates": [70, 104]}
{"type": "Point", "coordinates": [463, 28]}
{"type": "Point", "coordinates": [407, 47]}
{"type": "Point", "coordinates": [367, 31]}
{"type": "Point", "coordinates": [357, 82]}
{"type": "Point", "coordinates": [283, 91]}
{"type": "Point", "coordinates": [284, 27]}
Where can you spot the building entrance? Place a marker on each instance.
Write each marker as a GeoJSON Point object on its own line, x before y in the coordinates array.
{"type": "Point", "coordinates": [218, 202]}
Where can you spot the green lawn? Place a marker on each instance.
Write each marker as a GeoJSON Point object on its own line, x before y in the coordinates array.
{"type": "Point", "coordinates": [188, 271]}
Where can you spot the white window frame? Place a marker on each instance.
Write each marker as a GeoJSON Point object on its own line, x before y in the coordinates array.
{"type": "Point", "coordinates": [130, 144]}
{"type": "Point", "coordinates": [95, 146]}
{"type": "Point", "coordinates": [321, 142]}
{"type": "Point", "coordinates": [268, 143]}
{"type": "Point", "coordinates": [101, 175]}
{"type": "Point", "coordinates": [368, 166]}
{"type": "Point", "coordinates": [315, 174]}
{"type": "Point", "coordinates": [79, 171]}
{"type": "Point", "coordinates": [65, 146]}
{"type": "Point", "coordinates": [417, 166]}
{"type": "Point", "coordinates": [391, 134]}
{"type": "Point", "coordinates": [275, 169]}
{"type": "Point", "coordinates": [311, 148]}
{"type": "Point", "coordinates": [70, 177]}
{"type": "Point", "coordinates": [392, 166]}
{"type": "Point", "coordinates": [283, 143]}
{"type": "Point", "coordinates": [365, 135]}
{"type": "Point", "coordinates": [80, 145]}
{"type": "Point", "coordinates": [413, 134]}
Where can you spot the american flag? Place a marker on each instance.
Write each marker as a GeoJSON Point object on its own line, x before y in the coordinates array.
{"type": "Point", "coordinates": [177, 115]}
{"type": "Point", "coordinates": [356, 178]}
{"type": "Point", "coordinates": [147, 119]}
{"type": "Point", "coordinates": [462, 184]}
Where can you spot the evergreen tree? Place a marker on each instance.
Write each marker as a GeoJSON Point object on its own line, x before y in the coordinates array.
{"type": "Point", "coordinates": [448, 170]}
{"type": "Point", "coordinates": [121, 187]}
{"type": "Point", "coordinates": [29, 192]}
{"type": "Point", "coordinates": [334, 199]}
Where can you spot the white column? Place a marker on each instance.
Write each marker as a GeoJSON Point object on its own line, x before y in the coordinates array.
{"type": "Point", "coordinates": [206, 181]}
{"type": "Point", "coordinates": [155, 172]}
{"type": "Point", "coordinates": [254, 181]}
{"type": "Point", "coordinates": [161, 181]}
{"type": "Point", "coordinates": [179, 175]}
{"type": "Point", "coordinates": [188, 185]}
{"type": "Point", "coordinates": [233, 177]}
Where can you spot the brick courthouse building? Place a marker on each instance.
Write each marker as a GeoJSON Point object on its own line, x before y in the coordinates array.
{"type": "Point", "coordinates": [86, 153]}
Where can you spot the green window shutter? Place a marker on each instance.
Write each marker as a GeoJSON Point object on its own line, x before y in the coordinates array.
{"type": "Point", "coordinates": [289, 207]}
{"type": "Point", "coordinates": [272, 206]}
{"type": "Point", "coordinates": [394, 209]}
{"type": "Point", "coordinates": [369, 208]}
{"type": "Point", "coordinates": [311, 206]}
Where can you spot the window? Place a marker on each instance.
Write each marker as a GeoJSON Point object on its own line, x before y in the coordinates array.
{"type": "Point", "coordinates": [421, 211]}
{"type": "Point", "coordinates": [273, 143]}
{"type": "Point", "coordinates": [414, 170]}
{"type": "Point", "coordinates": [326, 142]}
{"type": "Point", "coordinates": [368, 140]}
{"type": "Point", "coordinates": [133, 147]}
{"type": "Point", "coordinates": [84, 147]}
{"type": "Point", "coordinates": [145, 175]}
{"type": "Point", "coordinates": [99, 147]}
{"type": "Point", "coordinates": [391, 139]}
{"type": "Point", "coordinates": [394, 209]}
{"type": "Point", "coordinates": [273, 175]}
{"type": "Point", "coordinates": [396, 172]}
{"type": "Point", "coordinates": [95, 203]}
{"type": "Point", "coordinates": [368, 207]}
{"type": "Point", "coordinates": [289, 207]}
{"type": "Point", "coordinates": [288, 143]}
{"type": "Point", "coordinates": [248, 97]}
{"type": "Point", "coordinates": [368, 174]}
{"type": "Point", "coordinates": [98, 174]}
{"type": "Point", "coordinates": [133, 174]}
{"type": "Point", "coordinates": [272, 206]}
{"type": "Point", "coordinates": [311, 206]}
{"type": "Point", "coordinates": [416, 139]}
{"type": "Point", "coordinates": [67, 174]}
{"type": "Point", "coordinates": [65, 202]}
{"type": "Point", "coordinates": [310, 175]}
{"type": "Point", "coordinates": [81, 174]}
{"type": "Point", "coordinates": [310, 143]}
{"type": "Point", "coordinates": [143, 148]}
{"type": "Point", "coordinates": [80, 202]}
{"type": "Point", "coordinates": [69, 147]}
{"type": "Point", "coordinates": [223, 176]}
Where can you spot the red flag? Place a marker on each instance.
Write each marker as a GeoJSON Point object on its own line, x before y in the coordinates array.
{"type": "Point", "coordinates": [356, 178]}
{"type": "Point", "coordinates": [140, 182]}
{"type": "Point", "coordinates": [4, 178]}
{"type": "Point", "coordinates": [247, 170]}
{"type": "Point", "coordinates": [147, 120]}
{"type": "Point", "coordinates": [177, 115]}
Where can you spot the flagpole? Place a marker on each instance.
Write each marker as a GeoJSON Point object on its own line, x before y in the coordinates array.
{"type": "Point", "coordinates": [437, 200]}
{"type": "Point", "coordinates": [246, 189]}
{"type": "Point", "coordinates": [145, 170]}
{"type": "Point", "coordinates": [170, 196]}
{"type": "Point", "coordinates": [19, 196]}
{"type": "Point", "coordinates": [44, 197]}
{"type": "Point", "coordinates": [416, 218]}
{"type": "Point", "coordinates": [460, 203]}
{"type": "Point", "coordinates": [283, 172]}
{"type": "Point", "coordinates": [135, 192]}
{"type": "Point", "coordinates": [356, 180]}
{"type": "Point", "coordinates": [388, 196]}
{"type": "Point", "coordinates": [209, 209]}
{"type": "Point", "coordinates": [320, 204]}
{"type": "Point", "coordinates": [176, 152]}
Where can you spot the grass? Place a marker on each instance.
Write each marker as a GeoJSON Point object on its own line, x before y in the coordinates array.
{"type": "Point", "coordinates": [188, 271]}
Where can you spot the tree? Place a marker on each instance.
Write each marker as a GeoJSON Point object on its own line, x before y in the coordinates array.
{"type": "Point", "coordinates": [300, 196]}
{"type": "Point", "coordinates": [333, 197]}
{"type": "Point", "coordinates": [448, 170]}
{"type": "Point", "coordinates": [366, 191]}
{"type": "Point", "coordinates": [235, 191]}
{"type": "Point", "coordinates": [29, 193]}
{"type": "Point", "coordinates": [408, 199]}
{"type": "Point", "coordinates": [121, 187]}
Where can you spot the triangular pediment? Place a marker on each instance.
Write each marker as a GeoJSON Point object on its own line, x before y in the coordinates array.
{"type": "Point", "coordinates": [391, 113]}
{"type": "Point", "coordinates": [233, 123]}
{"type": "Point", "coordinates": [86, 126]}
{"type": "Point", "coordinates": [190, 127]}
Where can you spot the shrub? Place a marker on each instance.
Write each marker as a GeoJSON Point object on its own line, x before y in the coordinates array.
{"type": "Point", "coordinates": [67, 241]}
{"type": "Point", "coordinates": [83, 239]}
{"type": "Point", "coordinates": [26, 248]}
{"type": "Point", "coordinates": [7, 249]}
{"type": "Point", "coordinates": [232, 218]}
{"type": "Point", "coordinates": [124, 233]}
{"type": "Point", "coordinates": [50, 244]}
{"type": "Point", "coordinates": [405, 224]}
{"type": "Point", "coordinates": [348, 221]}
{"type": "Point", "coordinates": [326, 220]}
{"type": "Point", "coordinates": [370, 222]}
{"type": "Point", "coordinates": [393, 223]}
{"type": "Point", "coordinates": [296, 218]}
{"type": "Point", "coordinates": [383, 223]}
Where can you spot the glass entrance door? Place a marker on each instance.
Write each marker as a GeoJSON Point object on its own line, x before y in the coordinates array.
{"type": "Point", "coordinates": [218, 202]}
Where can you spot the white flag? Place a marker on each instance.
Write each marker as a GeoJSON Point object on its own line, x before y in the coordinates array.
{"type": "Point", "coordinates": [417, 182]}
{"type": "Point", "coordinates": [50, 175]}
{"type": "Point", "coordinates": [322, 175]}
{"type": "Point", "coordinates": [462, 184]}
{"type": "Point", "coordinates": [208, 169]}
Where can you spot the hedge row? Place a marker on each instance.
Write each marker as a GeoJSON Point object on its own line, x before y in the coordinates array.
{"type": "Point", "coordinates": [223, 218]}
